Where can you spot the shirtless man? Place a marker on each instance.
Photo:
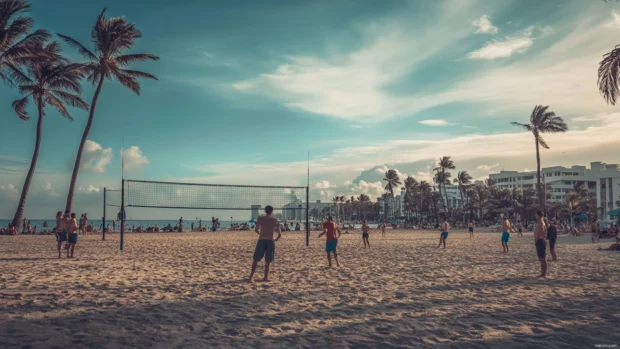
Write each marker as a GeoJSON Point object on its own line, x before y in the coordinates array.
{"type": "Point", "coordinates": [365, 230]}
{"type": "Point", "coordinates": [470, 227]}
{"type": "Point", "coordinates": [520, 228]}
{"type": "Point", "coordinates": [72, 228]}
{"type": "Point", "coordinates": [330, 228]}
{"type": "Point", "coordinates": [61, 230]}
{"type": "Point", "coordinates": [266, 226]}
{"type": "Point", "coordinates": [383, 229]}
{"type": "Point", "coordinates": [506, 228]}
{"type": "Point", "coordinates": [444, 227]}
{"type": "Point", "coordinates": [540, 233]}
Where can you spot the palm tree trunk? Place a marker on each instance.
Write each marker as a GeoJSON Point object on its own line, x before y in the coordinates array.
{"type": "Point", "coordinates": [33, 164]}
{"type": "Point", "coordinates": [78, 159]}
{"type": "Point", "coordinates": [541, 201]}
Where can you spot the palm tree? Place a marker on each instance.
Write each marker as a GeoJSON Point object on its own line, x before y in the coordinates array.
{"type": "Point", "coordinates": [464, 180]}
{"type": "Point", "coordinates": [542, 121]}
{"type": "Point", "coordinates": [46, 82]}
{"type": "Point", "coordinates": [363, 200]}
{"type": "Point", "coordinates": [111, 38]}
{"type": "Point", "coordinates": [444, 163]}
{"type": "Point", "coordinates": [15, 40]}
{"type": "Point", "coordinates": [392, 181]}
{"type": "Point", "coordinates": [335, 200]}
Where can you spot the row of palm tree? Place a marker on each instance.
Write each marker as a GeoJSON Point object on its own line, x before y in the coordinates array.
{"type": "Point", "coordinates": [33, 64]}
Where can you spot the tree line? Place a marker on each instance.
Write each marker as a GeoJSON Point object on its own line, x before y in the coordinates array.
{"type": "Point", "coordinates": [33, 63]}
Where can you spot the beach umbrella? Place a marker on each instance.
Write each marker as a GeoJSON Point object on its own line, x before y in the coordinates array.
{"type": "Point", "coordinates": [615, 212]}
{"type": "Point", "coordinates": [580, 216]}
{"type": "Point", "coordinates": [252, 220]}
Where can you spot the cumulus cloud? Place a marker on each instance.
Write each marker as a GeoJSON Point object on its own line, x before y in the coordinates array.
{"type": "Point", "coordinates": [323, 185]}
{"type": "Point", "coordinates": [90, 189]}
{"type": "Point", "coordinates": [95, 158]}
{"type": "Point", "coordinates": [434, 122]}
{"type": "Point", "coordinates": [50, 190]}
{"type": "Point", "coordinates": [133, 158]}
{"type": "Point", "coordinates": [9, 191]}
{"type": "Point", "coordinates": [487, 168]}
{"type": "Point", "coordinates": [484, 25]}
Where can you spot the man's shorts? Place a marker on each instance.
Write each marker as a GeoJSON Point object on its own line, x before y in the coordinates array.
{"type": "Point", "coordinates": [552, 243]}
{"type": "Point", "coordinates": [444, 235]}
{"type": "Point", "coordinates": [61, 236]}
{"type": "Point", "coordinates": [541, 248]}
{"type": "Point", "coordinates": [72, 238]}
{"type": "Point", "coordinates": [330, 246]}
{"type": "Point", "coordinates": [365, 235]}
{"type": "Point", "coordinates": [471, 229]}
{"type": "Point", "coordinates": [505, 236]}
{"type": "Point", "coordinates": [265, 248]}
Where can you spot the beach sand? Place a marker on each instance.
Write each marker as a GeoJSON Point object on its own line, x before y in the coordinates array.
{"type": "Point", "coordinates": [189, 291]}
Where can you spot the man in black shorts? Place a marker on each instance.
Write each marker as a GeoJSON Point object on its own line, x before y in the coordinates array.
{"type": "Point", "coordinates": [265, 247]}
{"type": "Point", "coordinates": [552, 236]}
{"type": "Point", "coordinates": [541, 246]}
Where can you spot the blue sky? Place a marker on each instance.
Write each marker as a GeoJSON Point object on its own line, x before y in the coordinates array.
{"type": "Point", "coordinates": [247, 88]}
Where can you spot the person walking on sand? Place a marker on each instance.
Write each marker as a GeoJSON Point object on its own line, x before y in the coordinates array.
{"type": "Point", "coordinates": [266, 226]}
{"type": "Point", "coordinates": [365, 230]}
{"type": "Point", "coordinates": [383, 229]}
{"type": "Point", "coordinates": [444, 227]}
{"type": "Point", "coordinates": [552, 236]}
{"type": "Point", "coordinates": [330, 228]}
{"type": "Point", "coordinates": [113, 225]}
{"type": "Point", "coordinates": [72, 228]}
{"type": "Point", "coordinates": [506, 228]}
{"type": "Point", "coordinates": [61, 230]}
{"type": "Point", "coordinates": [470, 227]}
{"type": "Point", "coordinates": [539, 241]}
{"type": "Point", "coordinates": [594, 230]}
{"type": "Point", "coordinates": [520, 228]}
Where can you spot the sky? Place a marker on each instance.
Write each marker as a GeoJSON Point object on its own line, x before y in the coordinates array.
{"type": "Point", "coordinates": [247, 89]}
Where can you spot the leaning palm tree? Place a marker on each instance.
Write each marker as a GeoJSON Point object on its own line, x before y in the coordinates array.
{"type": "Point", "coordinates": [444, 163]}
{"type": "Point", "coordinates": [15, 40]}
{"type": "Point", "coordinates": [542, 121]}
{"type": "Point", "coordinates": [391, 181]}
{"type": "Point", "coordinates": [464, 180]}
{"type": "Point", "coordinates": [111, 38]}
{"type": "Point", "coordinates": [51, 81]}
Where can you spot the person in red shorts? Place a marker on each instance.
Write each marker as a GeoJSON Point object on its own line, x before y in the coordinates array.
{"type": "Point", "coordinates": [329, 230]}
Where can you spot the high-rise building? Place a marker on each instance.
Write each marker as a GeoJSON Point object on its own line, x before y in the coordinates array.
{"type": "Point", "coordinates": [255, 211]}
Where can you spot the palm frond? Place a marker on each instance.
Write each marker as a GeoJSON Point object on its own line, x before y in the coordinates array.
{"type": "Point", "coordinates": [137, 74]}
{"type": "Point", "coordinates": [71, 99]}
{"type": "Point", "coordinates": [129, 82]}
{"type": "Point", "coordinates": [79, 47]}
{"type": "Point", "coordinates": [542, 142]}
{"type": "Point", "coordinates": [526, 127]}
{"type": "Point", "coordinates": [609, 76]}
{"type": "Point", "coordinates": [125, 60]}
{"type": "Point", "coordinates": [16, 74]}
{"type": "Point", "coordinates": [57, 103]}
{"type": "Point", "coordinates": [20, 108]}
{"type": "Point", "coordinates": [27, 89]}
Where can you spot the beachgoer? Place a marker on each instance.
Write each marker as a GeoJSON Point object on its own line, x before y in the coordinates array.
{"type": "Point", "coordinates": [72, 229]}
{"type": "Point", "coordinates": [506, 227]}
{"type": "Point", "coordinates": [470, 227]}
{"type": "Point", "coordinates": [365, 230]}
{"type": "Point", "coordinates": [113, 225]}
{"type": "Point", "coordinates": [594, 230]}
{"type": "Point", "coordinates": [520, 228]}
{"type": "Point", "coordinates": [552, 236]}
{"type": "Point", "coordinates": [539, 241]}
{"type": "Point", "coordinates": [383, 229]}
{"type": "Point", "coordinates": [330, 228]}
{"type": "Point", "coordinates": [444, 227]}
{"type": "Point", "coordinates": [266, 226]}
{"type": "Point", "coordinates": [61, 230]}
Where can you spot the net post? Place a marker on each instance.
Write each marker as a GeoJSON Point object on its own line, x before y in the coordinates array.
{"type": "Point", "coordinates": [307, 216]}
{"type": "Point", "coordinates": [122, 213]}
{"type": "Point", "coordinates": [103, 218]}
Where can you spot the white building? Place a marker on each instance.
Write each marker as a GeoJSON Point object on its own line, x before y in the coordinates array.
{"type": "Point", "coordinates": [601, 180]}
{"type": "Point", "coordinates": [454, 196]}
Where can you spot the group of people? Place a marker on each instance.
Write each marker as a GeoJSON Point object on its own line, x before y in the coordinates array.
{"type": "Point", "coordinates": [66, 230]}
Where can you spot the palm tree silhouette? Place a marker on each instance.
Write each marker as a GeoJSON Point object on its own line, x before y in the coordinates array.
{"type": "Point", "coordinates": [443, 179]}
{"type": "Point", "coordinates": [46, 81]}
{"type": "Point", "coordinates": [391, 181]}
{"type": "Point", "coordinates": [464, 180]}
{"type": "Point", "coordinates": [110, 37]}
{"type": "Point", "coordinates": [15, 40]}
{"type": "Point", "coordinates": [542, 121]}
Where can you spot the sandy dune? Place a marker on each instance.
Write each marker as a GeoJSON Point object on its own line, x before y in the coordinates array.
{"type": "Point", "coordinates": [188, 291]}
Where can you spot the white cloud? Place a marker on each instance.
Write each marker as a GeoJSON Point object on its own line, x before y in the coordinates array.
{"type": "Point", "coordinates": [356, 126]}
{"type": "Point", "coordinates": [90, 189]}
{"type": "Point", "coordinates": [323, 185]}
{"type": "Point", "coordinates": [9, 191]}
{"type": "Point", "coordinates": [484, 25]}
{"type": "Point", "coordinates": [434, 122]}
{"type": "Point", "coordinates": [502, 48]}
{"type": "Point", "coordinates": [616, 18]}
{"type": "Point", "coordinates": [133, 158]}
{"type": "Point", "coordinates": [50, 190]}
{"type": "Point", "coordinates": [487, 168]}
{"type": "Point", "coordinates": [95, 158]}
{"type": "Point", "coordinates": [470, 126]}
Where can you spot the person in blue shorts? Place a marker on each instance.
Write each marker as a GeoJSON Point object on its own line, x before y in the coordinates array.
{"type": "Point", "coordinates": [470, 227]}
{"type": "Point", "coordinates": [444, 227]}
{"type": "Point", "coordinates": [266, 226]}
{"type": "Point", "coordinates": [329, 230]}
{"type": "Point", "coordinates": [506, 228]}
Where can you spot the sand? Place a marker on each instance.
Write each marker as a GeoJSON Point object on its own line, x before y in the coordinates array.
{"type": "Point", "coordinates": [189, 291]}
